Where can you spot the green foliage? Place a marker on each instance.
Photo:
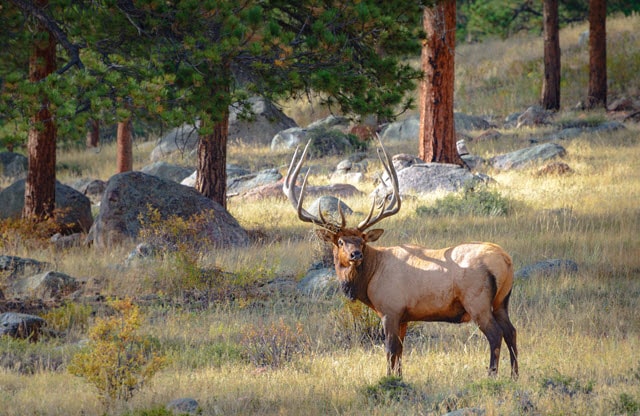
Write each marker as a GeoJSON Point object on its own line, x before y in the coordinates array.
{"type": "Point", "coordinates": [275, 344]}
{"type": "Point", "coordinates": [626, 404]}
{"type": "Point", "coordinates": [23, 356]}
{"type": "Point", "coordinates": [156, 411]}
{"type": "Point", "coordinates": [356, 323]}
{"type": "Point", "coordinates": [70, 316]}
{"type": "Point", "coordinates": [471, 202]}
{"type": "Point", "coordinates": [118, 361]}
{"type": "Point", "coordinates": [566, 385]}
{"type": "Point", "coordinates": [15, 232]}
{"type": "Point", "coordinates": [390, 389]}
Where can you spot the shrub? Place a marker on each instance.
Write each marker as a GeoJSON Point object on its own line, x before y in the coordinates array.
{"type": "Point", "coordinates": [391, 389]}
{"type": "Point", "coordinates": [333, 142]}
{"type": "Point", "coordinates": [275, 344]}
{"type": "Point", "coordinates": [117, 360]}
{"type": "Point", "coordinates": [626, 405]}
{"type": "Point", "coordinates": [356, 323]}
{"type": "Point", "coordinates": [471, 202]}
{"type": "Point", "coordinates": [68, 317]}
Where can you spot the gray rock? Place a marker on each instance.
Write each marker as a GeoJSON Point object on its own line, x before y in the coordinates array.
{"type": "Point", "coordinates": [49, 285]}
{"type": "Point", "coordinates": [75, 207]}
{"type": "Point", "coordinates": [13, 267]}
{"type": "Point", "coordinates": [184, 406]}
{"type": "Point", "coordinates": [429, 177]}
{"type": "Point", "coordinates": [242, 184]}
{"type": "Point", "coordinates": [522, 158]}
{"type": "Point", "coordinates": [466, 122]}
{"type": "Point", "coordinates": [182, 139]}
{"type": "Point", "coordinates": [547, 268]}
{"type": "Point", "coordinates": [21, 325]}
{"type": "Point", "coordinates": [289, 138]}
{"type": "Point", "coordinates": [168, 171]}
{"type": "Point", "coordinates": [329, 207]}
{"type": "Point", "coordinates": [13, 165]}
{"type": "Point", "coordinates": [265, 121]}
{"type": "Point", "coordinates": [91, 188]}
{"type": "Point", "coordinates": [319, 283]}
{"type": "Point", "coordinates": [130, 194]}
{"type": "Point", "coordinates": [331, 122]}
{"type": "Point", "coordinates": [533, 116]}
{"type": "Point", "coordinates": [404, 130]}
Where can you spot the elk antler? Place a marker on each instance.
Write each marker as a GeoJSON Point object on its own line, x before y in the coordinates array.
{"type": "Point", "coordinates": [289, 189]}
{"type": "Point", "coordinates": [390, 204]}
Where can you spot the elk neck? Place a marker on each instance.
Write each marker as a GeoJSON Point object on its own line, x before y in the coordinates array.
{"type": "Point", "coordinates": [354, 279]}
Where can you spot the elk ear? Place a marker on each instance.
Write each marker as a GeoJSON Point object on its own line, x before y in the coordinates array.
{"type": "Point", "coordinates": [373, 235]}
{"type": "Point", "coordinates": [325, 235]}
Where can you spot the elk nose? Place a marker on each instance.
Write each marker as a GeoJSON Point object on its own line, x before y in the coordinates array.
{"type": "Point", "coordinates": [355, 255]}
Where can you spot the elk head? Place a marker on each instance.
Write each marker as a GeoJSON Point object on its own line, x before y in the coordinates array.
{"type": "Point", "coordinates": [348, 243]}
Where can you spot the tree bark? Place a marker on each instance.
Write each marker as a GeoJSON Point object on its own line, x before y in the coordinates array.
{"type": "Point", "coordinates": [597, 95]}
{"type": "Point", "coordinates": [124, 151]}
{"type": "Point", "coordinates": [551, 83]}
{"type": "Point", "coordinates": [93, 134]}
{"type": "Point", "coordinates": [40, 186]}
{"type": "Point", "coordinates": [437, 140]}
{"type": "Point", "coordinates": [211, 180]}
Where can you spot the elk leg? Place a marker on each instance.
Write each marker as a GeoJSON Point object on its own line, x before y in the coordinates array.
{"type": "Point", "coordinates": [509, 333]}
{"type": "Point", "coordinates": [394, 334]}
{"type": "Point", "coordinates": [489, 326]}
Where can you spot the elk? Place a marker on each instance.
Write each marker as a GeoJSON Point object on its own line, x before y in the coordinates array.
{"type": "Point", "coordinates": [406, 283]}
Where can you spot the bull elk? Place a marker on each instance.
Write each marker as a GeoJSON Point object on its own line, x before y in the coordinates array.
{"type": "Point", "coordinates": [408, 283]}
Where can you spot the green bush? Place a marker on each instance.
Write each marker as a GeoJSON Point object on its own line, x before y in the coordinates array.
{"type": "Point", "coordinates": [471, 202]}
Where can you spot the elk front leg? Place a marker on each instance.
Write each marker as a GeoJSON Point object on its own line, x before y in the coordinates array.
{"type": "Point", "coordinates": [394, 332]}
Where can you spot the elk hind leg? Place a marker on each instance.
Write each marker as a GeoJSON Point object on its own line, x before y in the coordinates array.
{"type": "Point", "coordinates": [492, 330]}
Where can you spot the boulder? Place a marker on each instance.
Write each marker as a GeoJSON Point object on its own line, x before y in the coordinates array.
{"type": "Point", "coordinates": [318, 283]}
{"type": "Point", "coordinates": [263, 123]}
{"type": "Point", "coordinates": [274, 191]}
{"type": "Point", "coordinates": [13, 165]}
{"type": "Point", "coordinates": [233, 171]}
{"type": "Point", "coordinates": [47, 286]}
{"type": "Point", "coordinates": [329, 205]}
{"type": "Point", "coordinates": [184, 406]}
{"type": "Point", "coordinates": [403, 130]}
{"type": "Point", "coordinates": [182, 139]}
{"type": "Point", "coordinates": [409, 128]}
{"type": "Point", "coordinates": [547, 268]}
{"type": "Point", "coordinates": [13, 267]}
{"type": "Point", "coordinates": [75, 208]}
{"type": "Point", "coordinates": [427, 178]}
{"type": "Point", "coordinates": [533, 116]}
{"type": "Point", "coordinates": [21, 325]}
{"type": "Point", "coordinates": [168, 171]}
{"type": "Point", "coordinates": [289, 138]}
{"type": "Point", "coordinates": [523, 157]}
{"type": "Point", "coordinates": [130, 194]}
{"type": "Point", "coordinates": [91, 188]}
{"type": "Point", "coordinates": [242, 184]}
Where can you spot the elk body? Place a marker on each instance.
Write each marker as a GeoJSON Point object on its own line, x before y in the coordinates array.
{"type": "Point", "coordinates": [405, 283]}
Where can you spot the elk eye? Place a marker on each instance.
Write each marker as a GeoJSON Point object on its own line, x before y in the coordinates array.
{"type": "Point", "coordinates": [340, 243]}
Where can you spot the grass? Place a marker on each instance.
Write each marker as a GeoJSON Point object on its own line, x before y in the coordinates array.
{"type": "Point", "coordinates": [268, 353]}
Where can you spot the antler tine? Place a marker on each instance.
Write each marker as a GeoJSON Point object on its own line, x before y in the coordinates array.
{"type": "Point", "coordinates": [289, 189]}
{"type": "Point", "coordinates": [387, 207]}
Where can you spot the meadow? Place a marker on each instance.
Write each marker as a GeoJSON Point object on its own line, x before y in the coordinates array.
{"type": "Point", "coordinates": [264, 349]}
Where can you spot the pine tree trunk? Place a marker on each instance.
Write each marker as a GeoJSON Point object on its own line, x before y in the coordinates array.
{"type": "Point", "coordinates": [124, 147]}
{"type": "Point", "coordinates": [597, 95]}
{"type": "Point", "coordinates": [93, 134]}
{"type": "Point", "coordinates": [437, 140]}
{"type": "Point", "coordinates": [212, 162]}
{"type": "Point", "coordinates": [40, 186]}
{"type": "Point", "coordinates": [551, 82]}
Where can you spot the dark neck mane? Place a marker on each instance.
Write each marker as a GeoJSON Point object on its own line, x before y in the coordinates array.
{"type": "Point", "coordinates": [354, 281]}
